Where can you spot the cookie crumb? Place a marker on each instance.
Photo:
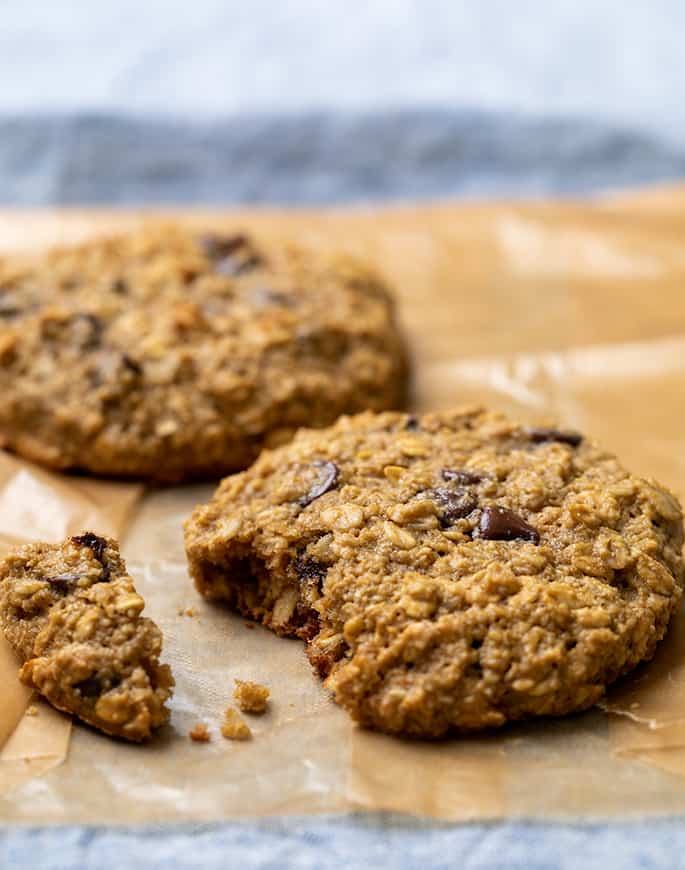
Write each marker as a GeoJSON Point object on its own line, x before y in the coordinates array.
{"type": "Point", "coordinates": [32, 710]}
{"type": "Point", "coordinates": [200, 733]}
{"type": "Point", "coordinates": [233, 726]}
{"type": "Point", "coordinates": [185, 611]}
{"type": "Point", "coordinates": [250, 697]}
{"type": "Point", "coordinates": [249, 625]}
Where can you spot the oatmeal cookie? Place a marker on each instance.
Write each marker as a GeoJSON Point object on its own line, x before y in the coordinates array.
{"type": "Point", "coordinates": [170, 354]}
{"type": "Point", "coordinates": [453, 571]}
{"type": "Point", "coordinates": [72, 614]}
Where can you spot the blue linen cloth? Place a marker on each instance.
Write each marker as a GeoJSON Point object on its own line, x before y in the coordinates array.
{"type": "Point", "coordinates": [320, 158]}
{"type": "Point", "coordinates": [372, 842]}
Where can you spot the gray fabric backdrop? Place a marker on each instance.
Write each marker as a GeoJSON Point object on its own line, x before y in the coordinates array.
{"type": "Point", "coordinates": [320, 157]}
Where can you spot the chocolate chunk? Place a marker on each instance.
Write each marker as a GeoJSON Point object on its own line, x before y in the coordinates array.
{"type": "Point", "coordinates": [328, 480]}
{"type": "Point", "coordinates": [62, 582]}
{"type": "Point", "coordinates": [540, 436]}
{"type": "Point", "coordinates": [131, 365]}
{"type": "Point", "coordinates": [500, 524]}
{"type": "Point", "coordinates": [8, 308]}
{"type": "Point", "coordinates": [309, 570]}
{"type": "Point", "coordinates": [98, 546]}
{"type": "Point", "coordinates": [465, 478]}
{"type": "Point", "coordinates": [231, 255]}
{"type": "Point", "coordinates": [216, 247]}
{"type": "Point", "coordinates": [412, 424]}
{"type": "Point", "coordinates": [91, 687]}
{"type": "Point", "coordinates": [64, 578]}
{"type": "Point", "coordinates": [120, 287]}
{"type": "Point", "coordinates": [96, 543]}
{"type": "Point", "coordinates": [455, 504]}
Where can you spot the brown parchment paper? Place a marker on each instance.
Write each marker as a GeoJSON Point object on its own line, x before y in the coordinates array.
{"type": "Point", "coordinates": [574, 311]}
{"type": "Point", "coordinates": [36, 505]}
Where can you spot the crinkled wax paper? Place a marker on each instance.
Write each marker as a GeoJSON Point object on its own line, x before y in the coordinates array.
{"type": "Point", "coordinates": [567, 311]}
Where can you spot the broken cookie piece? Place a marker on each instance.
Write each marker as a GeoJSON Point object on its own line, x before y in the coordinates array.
{"type": "Point", "coordinates": [250, 697]}
{"type": "Point", "coordinates": [234, 726]}
{"type": "Point", "coordinates": [72, 613]}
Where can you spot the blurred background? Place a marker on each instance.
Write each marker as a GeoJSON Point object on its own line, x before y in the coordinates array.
{"type": "Point", "coordinates": [299, 101]}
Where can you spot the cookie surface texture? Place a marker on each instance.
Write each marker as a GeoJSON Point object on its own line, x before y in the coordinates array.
{"type": "Point", "coordinates": [448, 572]}
{"type": "Point", "coordinates": [170, 354]}
{"type": "Point", "coordinates": [72, 614]}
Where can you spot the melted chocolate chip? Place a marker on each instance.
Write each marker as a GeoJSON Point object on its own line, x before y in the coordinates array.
{"type": "Point", "coordinates": [465, 478]}
{"type": "Point", "coordinates": [540, 436]}
{"type": "Point", "coordinates": [62, 582]}
{"type": "Point", "coordinates": [8, 309]}
{"type": "Point", "coordinates": [131, 365]}
{"type": "Point", "coordinates": [309, 569]}
{"type": "Point", "coordinates": [91, 687]}
{"type": "Point", "coordinates": [500, 524]}
{"type": "Point", "coordinates": [412, 424]}
{"type": "Point", "coordinates": [95, 542]}
{"type": "Point", "coordinates": [120, 287]}
{"type": "Point", "coordinates": [231, 255]}
{"type": "Point", "coordinates": [98, 546]}
{"type": "Point", "coordinates": [455, 504]}
{"type": "Point", "coordinates": [216, 247]}
{"type": "Point", "coordinates": [328, 480]}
